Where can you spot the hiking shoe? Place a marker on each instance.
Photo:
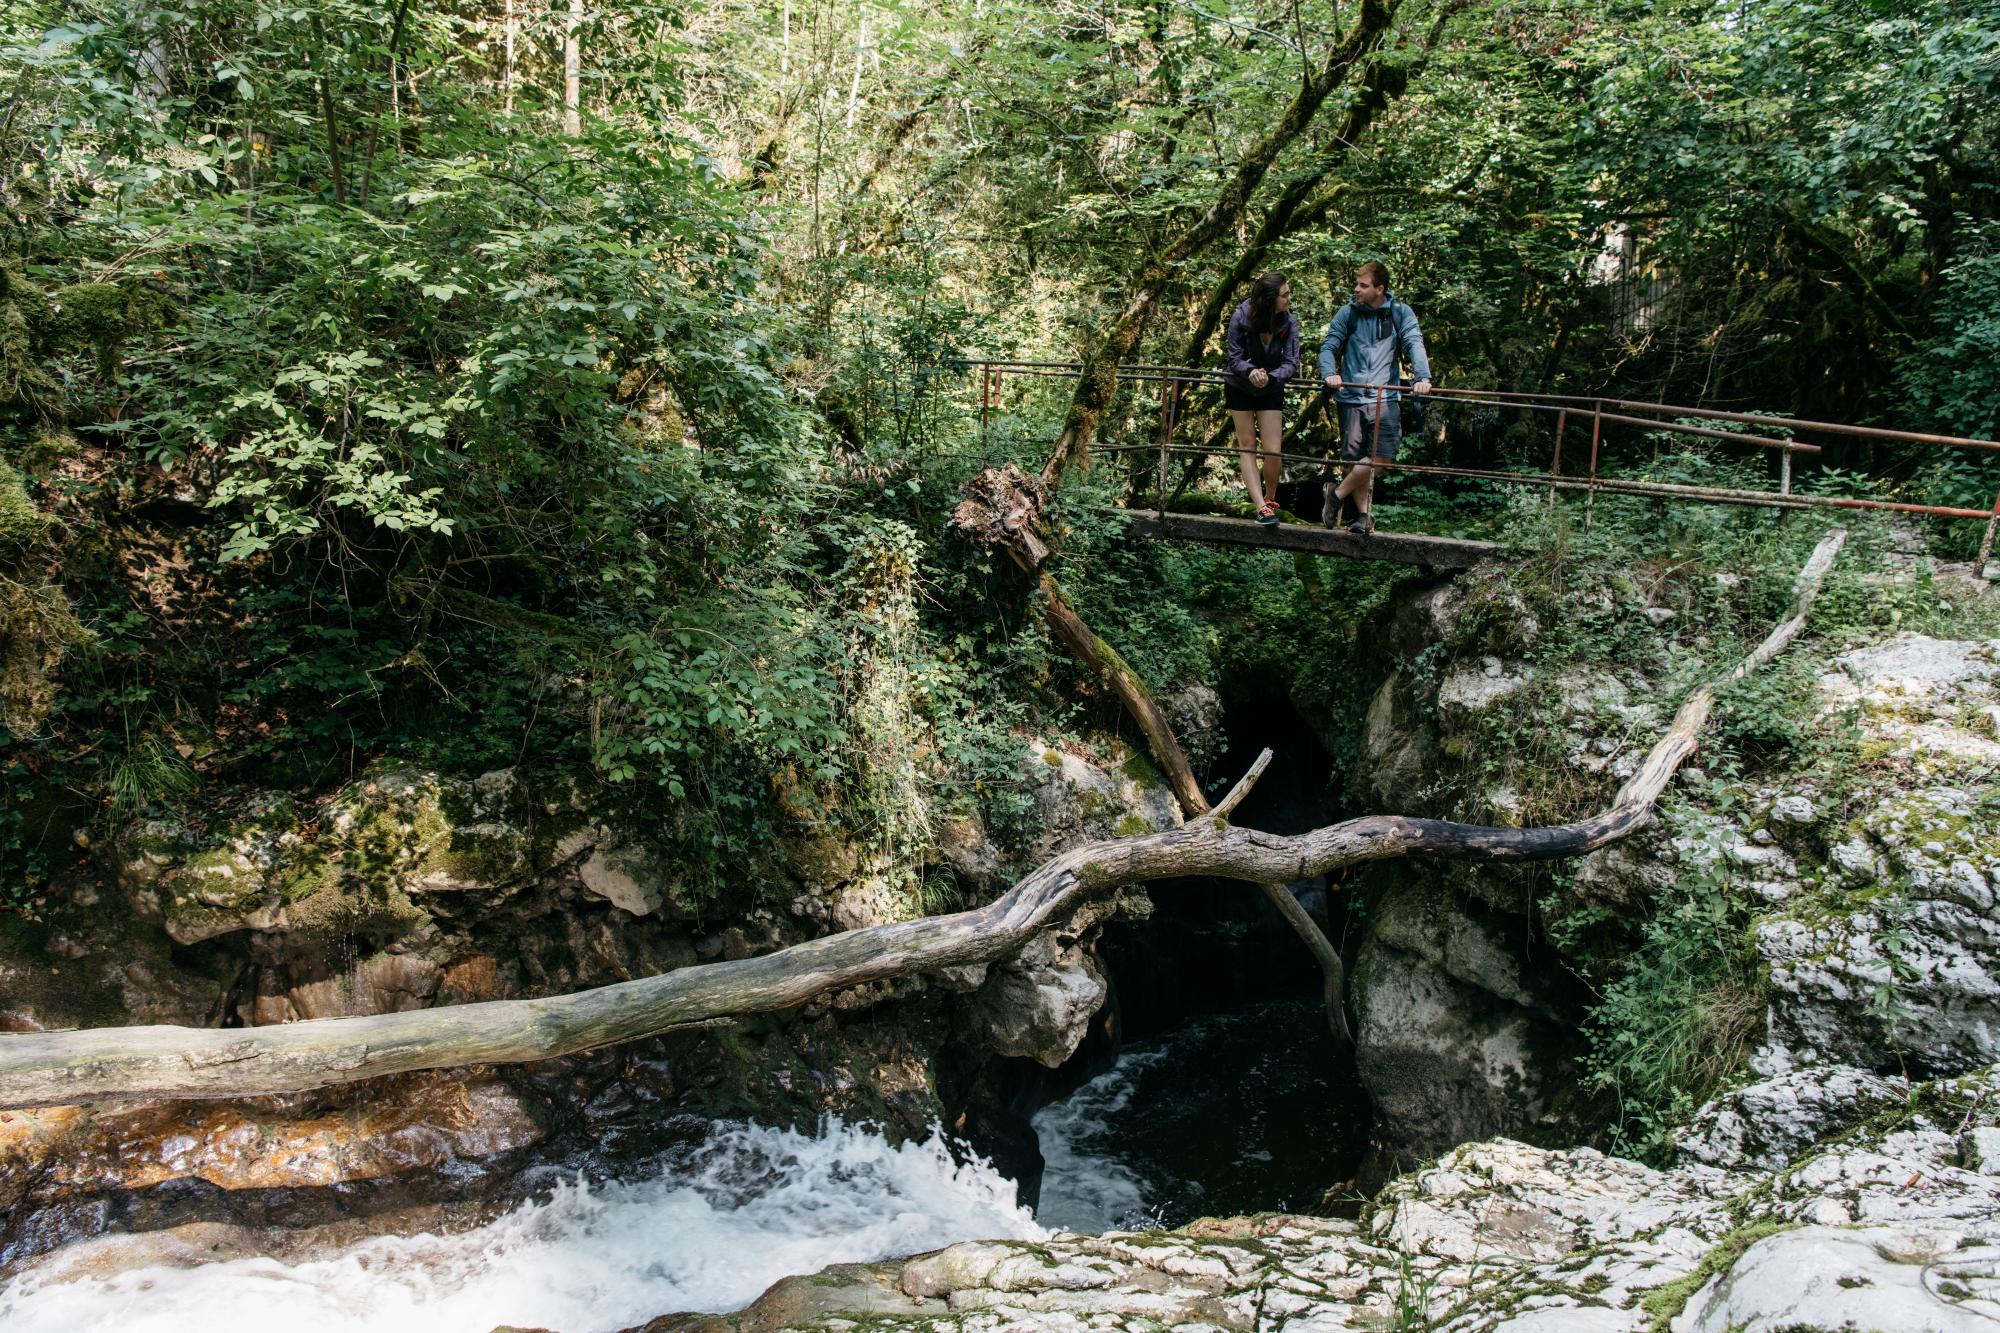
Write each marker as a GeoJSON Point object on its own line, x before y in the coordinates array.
{"type": "Point", "coordinates": [1267, 513]}
{"type": "Point", "coordinates": [1362, 525]}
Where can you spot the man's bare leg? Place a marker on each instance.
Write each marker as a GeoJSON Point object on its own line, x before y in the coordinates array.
{"type": "Point", "coordinates": [1365, 500]}
{"type": "Point", "coordinates": [1358, 484]}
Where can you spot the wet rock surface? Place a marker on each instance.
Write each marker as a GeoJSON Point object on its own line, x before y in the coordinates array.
{"type": "Point", "coordinates": [1884, 1227]}
{"type": "Point", "coordinates": [1458, 1031]}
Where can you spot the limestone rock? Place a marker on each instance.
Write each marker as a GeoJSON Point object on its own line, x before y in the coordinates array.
{"type": "Point", "coordinates": [1454, 1039]}
{"type": "Point", "coordinates": [1945, 1281]}
{"type": "Point", "coordinates": [1037, 1004]}
{"type": "Point", "coordinates": [1907, 688]}
{"type": "Point", "coordinates": [624, 876]}
{"type": "Point", "coordinates": [1397, 753]}
{"type": "Point", "coordinates": [963, 844]}
{"type": "Point", "coordinates": [1765, 1125]}
{"type": "Point", "coordinates": [1468, 692]}
{"type": "Point", "coordinates": [1914, 965]}
{"type": "Point", "coordinates": [1040, 1002]}
{"type": "Point", "coordinates": [1077, 801]}
{"type": "Point", "coordinates": [1196, 715]}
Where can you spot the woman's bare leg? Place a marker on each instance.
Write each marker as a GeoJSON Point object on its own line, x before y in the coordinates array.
{"type": "Point", "coordinates": [1271, 440]}
{"type": "Point", "coordinates": [1246, 454]}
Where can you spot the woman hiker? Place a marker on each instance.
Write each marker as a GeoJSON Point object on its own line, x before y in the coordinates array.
{"type": "Point", "coordinates": [1263, 357]}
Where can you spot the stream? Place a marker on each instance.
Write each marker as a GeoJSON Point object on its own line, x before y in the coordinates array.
{"type": "Point", "coordinates": [1224, 1113]}
{"type": "Point", "coordinates": [1240, 1112]}
{"type": "Point", "coordinates": [710, 1231]}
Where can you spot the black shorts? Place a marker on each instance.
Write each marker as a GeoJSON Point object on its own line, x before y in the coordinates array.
{"type": "Point", "coordinates": [1239, 397]}
{"type": "Point", "coordinates": [1358, 436]}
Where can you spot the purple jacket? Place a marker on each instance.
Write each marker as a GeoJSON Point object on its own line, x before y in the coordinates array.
{"type": "Point", "coordinates": [1248, 351]}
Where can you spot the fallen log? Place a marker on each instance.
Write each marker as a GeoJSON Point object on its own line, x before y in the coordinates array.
{"type": "Point", "coordinates": [93, 1064]}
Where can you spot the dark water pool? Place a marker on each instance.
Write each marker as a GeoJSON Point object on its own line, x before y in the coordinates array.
{"type": "Point", "coordinates": [1249, 1111]}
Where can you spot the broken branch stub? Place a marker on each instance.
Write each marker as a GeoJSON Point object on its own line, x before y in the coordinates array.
{"type": "Point", "coordinates": [1005, 507]}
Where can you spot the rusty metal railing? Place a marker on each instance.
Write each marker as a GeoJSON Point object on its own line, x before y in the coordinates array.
{"type": "Point", "coordinates": [1175, 381]}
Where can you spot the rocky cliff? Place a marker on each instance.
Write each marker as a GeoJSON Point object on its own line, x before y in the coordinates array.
{"type": "Point", "coordinates": [407, 888]}
{"type": "Point", "coordinates": [1858, 860]}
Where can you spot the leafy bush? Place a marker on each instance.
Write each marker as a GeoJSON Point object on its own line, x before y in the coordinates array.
{"type": "Point", "coordinates": [1676, 1016]}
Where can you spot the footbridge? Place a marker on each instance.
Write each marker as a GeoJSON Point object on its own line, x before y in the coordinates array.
{"type": "Point", "coordinates": [1591, 452]}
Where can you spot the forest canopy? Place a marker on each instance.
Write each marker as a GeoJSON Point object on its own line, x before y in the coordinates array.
{"type": "Point", "coordinates": [491, 383]}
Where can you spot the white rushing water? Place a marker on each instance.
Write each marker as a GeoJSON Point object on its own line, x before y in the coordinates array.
{"type": "Point", "coordinates": [756, 1205]}
{"type": "Point", "coordinates": [1085, 1184]}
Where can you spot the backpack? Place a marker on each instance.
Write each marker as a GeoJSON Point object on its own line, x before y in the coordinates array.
{"type": "Point", "coordinates": [1412, 408]}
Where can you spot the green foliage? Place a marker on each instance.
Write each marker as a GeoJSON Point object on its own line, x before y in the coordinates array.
{"type": "Point", "coordinates": [1760, 716]}
{"type": "Point", "coordinates": [407, 420]}
{"type": "Point", "coordinates": [1676, 1016]}
{"type": "Point", "coordinates": [1951, 378]}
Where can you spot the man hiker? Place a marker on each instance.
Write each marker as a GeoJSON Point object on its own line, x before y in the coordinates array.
{"type": "Point", "coordinates": [1369, 336]}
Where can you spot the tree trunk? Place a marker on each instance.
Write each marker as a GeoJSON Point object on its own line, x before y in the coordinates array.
{"type": "Point", "coordinates": [326, 113]}
{"type": "Point", "coordinates": [510, 25]}
{"type": "Point", "coordinates": [1121, 334]}
{"type": "Point", "coordinates": [57, 1068]}
{"type": "Point", "coordinates": [573, 70]}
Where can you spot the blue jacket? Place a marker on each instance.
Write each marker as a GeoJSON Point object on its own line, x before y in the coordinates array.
{"type": "Point", "coordinates": [1248, 351]}
{"type": "Point", "coordinates": [1360, 346]}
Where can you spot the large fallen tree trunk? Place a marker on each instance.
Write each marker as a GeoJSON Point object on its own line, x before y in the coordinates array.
{"type": "Point", "coordinates": [55, 1068]}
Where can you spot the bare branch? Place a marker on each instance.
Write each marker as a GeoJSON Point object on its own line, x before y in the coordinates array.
{"type": "Point", "coordinates": [1242, 788]}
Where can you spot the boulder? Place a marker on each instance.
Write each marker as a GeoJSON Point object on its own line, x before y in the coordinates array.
{"type": "Point", "coordinates": [1763, 1126]}
{"type": "Point", "coordinates": [1037, 1004]}
{"type": "Point", "coordinates": [1077, 800]}
{"type": "Point", "coordinates": [1455, 1037]}
{"type": "Point", "coordinates": [1942, 1281]}
{"type": "Point", "coordinates": [406, 1125]}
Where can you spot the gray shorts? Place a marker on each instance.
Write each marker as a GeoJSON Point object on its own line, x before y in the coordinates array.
{"type": "Point", "coordinates": [1358, 435]}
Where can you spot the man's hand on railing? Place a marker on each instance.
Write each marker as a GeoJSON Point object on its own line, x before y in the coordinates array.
{"type": "Point", "coordinates": [1333, 381]}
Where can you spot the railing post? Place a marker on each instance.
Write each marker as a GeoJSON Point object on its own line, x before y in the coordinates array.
{"type": "Point", "coordinates": [1169, 405]}
{"type": "Point", "coordinates": [1596, 433]}
{"type": "Point", "coordinates": [1785, 480]}
{"type": "Point", "coordinates": [1556, 463]}
{"type": "Point", "coordinates": [1986, 542]}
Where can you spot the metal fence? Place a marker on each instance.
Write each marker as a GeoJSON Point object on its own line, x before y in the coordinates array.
{"type": "Point", "coordinates": [1175, 382]}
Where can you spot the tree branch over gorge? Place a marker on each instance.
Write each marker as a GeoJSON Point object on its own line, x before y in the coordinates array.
{"type": "Point", "coordinates": [1382, 83]}
{"type": "Point", "coordinates": [1117, 337]}
{"type": "Point", "coordinates": [53, 1068]}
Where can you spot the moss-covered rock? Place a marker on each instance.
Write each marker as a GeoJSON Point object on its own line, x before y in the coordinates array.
{"type": "Point", "coordinates": [37, 627]}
